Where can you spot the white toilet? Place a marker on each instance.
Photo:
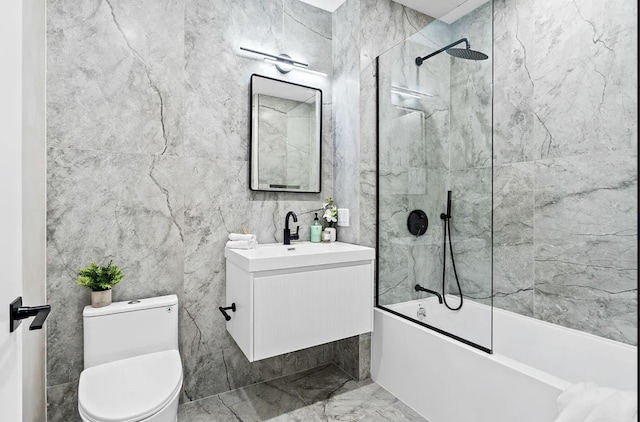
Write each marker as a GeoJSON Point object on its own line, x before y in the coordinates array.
{"type": "Point", "coordinates": [132, 369]}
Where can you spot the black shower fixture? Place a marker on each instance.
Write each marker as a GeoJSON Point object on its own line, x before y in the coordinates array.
{"type": "Point", "coordinates": [417, 223]}
{"type": "Point", "coordinates": [446, 218]}
{"type": "Point", "coordinates": [462, 53]}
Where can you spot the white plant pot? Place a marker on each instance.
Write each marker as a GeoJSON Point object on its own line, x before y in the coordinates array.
{"type": "Point", "coordinates": [100, 298]}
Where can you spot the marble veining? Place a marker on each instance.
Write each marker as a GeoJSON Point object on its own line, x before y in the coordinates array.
{"type": "Point", "coordinates": [565, 145]}
{"type": "Point", "coordinates": [563, 237]}
{"type": "Point", "coordinates": [585, 61]}
{"type": "Point", "coordinates": [513, 87]}
{"type": "Point", "coordinates": [361, 30]}
{"type": "Point", "coordinates": [471, 141]}
{"type": "Point", "coordinates": [147, 113]}
{"type": "Point", "coordinates": [346, 46]}
{"type": "Point", "coordinates": [434, 138]}
{"type": "Point", "coordinates": [147, 129]}
{"type": "Point", "coordinates": [586, 256]}
{"type": "Point", "coordinates": [125, 73]}
{"type": "Point", "coordinates": [118, 207]}
{"type": "Point", "coordinates": [321, 394]}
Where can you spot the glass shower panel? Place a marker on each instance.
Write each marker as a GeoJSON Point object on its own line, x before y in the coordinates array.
{"type": "Point", "coordinates": [435, 156]}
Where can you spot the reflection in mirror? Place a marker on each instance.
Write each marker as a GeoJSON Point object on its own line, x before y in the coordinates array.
{"type": "Point", "coordinates": [286, 122]}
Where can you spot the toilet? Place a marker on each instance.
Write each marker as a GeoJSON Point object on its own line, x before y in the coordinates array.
{"type": "Point", "coordinates": [132, 368]}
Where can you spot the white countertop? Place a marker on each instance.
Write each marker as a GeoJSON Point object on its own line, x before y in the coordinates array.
{"type": "Point", "coordinates": [275, 256]}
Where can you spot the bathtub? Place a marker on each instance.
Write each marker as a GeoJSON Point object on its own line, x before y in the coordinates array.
{"type": "Point", "coordinates": [532, 363]}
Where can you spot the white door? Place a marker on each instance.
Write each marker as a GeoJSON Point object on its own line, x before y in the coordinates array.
{"type": "Point", "coordinates": [10, 206]}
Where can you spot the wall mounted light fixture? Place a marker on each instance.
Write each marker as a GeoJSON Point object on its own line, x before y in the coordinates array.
{"type": "Point", "coordinates": [284, 63]}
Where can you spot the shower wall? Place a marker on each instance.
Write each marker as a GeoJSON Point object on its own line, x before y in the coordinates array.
{"type": "Point", "coordinates": [362, 30]}
{"type": "Point", "coordinates": [414, 152]}
{"type": "Point", "coordinates": [429, 145]}
{"type": "Point", "coordinates": [565, 166]}
{"type": "Point", "coordinates": [148, 123]}
{"type": "Point", "coordinates": [471, 164]}
{"type": "Point", "coordinates": [565, 153]}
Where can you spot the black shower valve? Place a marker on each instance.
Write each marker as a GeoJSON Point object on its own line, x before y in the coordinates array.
{"type": "Point", "coordinates": [417, 223]}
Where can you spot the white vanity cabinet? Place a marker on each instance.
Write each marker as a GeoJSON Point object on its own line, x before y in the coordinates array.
{"type": "Point", "coordinates": [290, 297]}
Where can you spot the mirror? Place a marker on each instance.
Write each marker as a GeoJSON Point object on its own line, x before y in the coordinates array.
{"type": "Point", "coordinates": [286, 121]}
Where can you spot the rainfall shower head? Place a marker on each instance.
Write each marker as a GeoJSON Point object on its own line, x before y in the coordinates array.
{"type": "Point", "coordinates": [467, 53]}
{"type": "Point", "coordinates": [462, 53]}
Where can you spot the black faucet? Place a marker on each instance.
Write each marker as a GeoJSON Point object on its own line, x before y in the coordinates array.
{"type": "Point", "coordinates": [288, 237]}
{"type": "Point", "coordinates": [419, 288]}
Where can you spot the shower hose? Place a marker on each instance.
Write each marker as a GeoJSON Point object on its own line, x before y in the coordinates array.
{"type": "Point", "coordinates": [447, 225]}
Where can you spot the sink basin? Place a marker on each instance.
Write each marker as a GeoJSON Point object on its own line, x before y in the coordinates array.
{"type": "Point", "coordinates": [276, 256]}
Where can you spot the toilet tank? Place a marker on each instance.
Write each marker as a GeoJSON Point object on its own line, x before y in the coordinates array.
{"type": "Point", "coordinates": [131, 328]}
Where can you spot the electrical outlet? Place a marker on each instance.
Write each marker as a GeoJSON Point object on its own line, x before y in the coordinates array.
{"type": "Point", "coordinates": [343, 217]}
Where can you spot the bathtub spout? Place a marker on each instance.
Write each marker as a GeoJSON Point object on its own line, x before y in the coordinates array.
{"type": "Point", "coordinates": [419, 288]}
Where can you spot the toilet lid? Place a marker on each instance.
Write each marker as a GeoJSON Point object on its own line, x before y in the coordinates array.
{"type": "Point", "coordinates": [129, 390]}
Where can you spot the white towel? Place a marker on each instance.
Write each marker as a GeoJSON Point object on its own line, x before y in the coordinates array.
{"type": "Point", "coordinates": [588, 402]}
{"type": "Point", "coordinates": [242, 244]}
{"type": "Point", "coordinates": [238, 236]}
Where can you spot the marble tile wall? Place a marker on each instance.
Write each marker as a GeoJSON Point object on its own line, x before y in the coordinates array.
{"type": "Point", "coordinates": [384, 24]}
{"type": "Point", "coordinates": [471, 146]}
{"type": "Point", "coordinates": [414, 162]}
{"type": "Point", "coordinates": [565, 166]}
{"type": "Point", "coordinates": [438, 141]}
{"type": "Point", "coordinates": [362, 29]}
{"type": "Point", "coordinates": [565, 154]}
{"type": "Point", "coordinates": [147, 117]}
{"type": "Point", "coordinates": [346, 114]}
{"type": "Point", "coordinates": [346, 111]}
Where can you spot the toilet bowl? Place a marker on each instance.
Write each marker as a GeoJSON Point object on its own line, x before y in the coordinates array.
{"type": "Point", "coordinates": [133, 371]}
{"type": "Point", "coordinates": [143, 388]}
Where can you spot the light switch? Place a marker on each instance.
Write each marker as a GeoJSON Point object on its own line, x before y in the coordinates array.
{"type": "Point", "coordinates": [343, 217]}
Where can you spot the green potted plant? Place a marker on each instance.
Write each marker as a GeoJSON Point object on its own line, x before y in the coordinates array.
{"type": "Point", "coordinates": [100, 280]}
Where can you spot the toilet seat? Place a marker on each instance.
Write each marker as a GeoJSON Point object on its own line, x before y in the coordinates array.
{"type": "Point", "coordinates": [130, 390]}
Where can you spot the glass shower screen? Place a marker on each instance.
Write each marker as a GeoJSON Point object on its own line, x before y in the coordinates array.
{"type": "Point", "coordinates": [435, 178]}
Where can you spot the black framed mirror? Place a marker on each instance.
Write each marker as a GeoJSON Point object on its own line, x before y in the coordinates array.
{"type": "Point", "coordinates": [285, 136]}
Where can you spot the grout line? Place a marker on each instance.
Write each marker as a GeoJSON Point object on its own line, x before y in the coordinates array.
{"type": "Point", "coordinates": [315, 369]}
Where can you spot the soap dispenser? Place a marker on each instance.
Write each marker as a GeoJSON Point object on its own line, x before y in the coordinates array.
{"type": "Point", "coordinates": [316, 230]}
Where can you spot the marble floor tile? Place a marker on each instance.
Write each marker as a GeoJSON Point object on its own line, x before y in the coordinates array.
{"type": "Point", "coordinates": [325, 393]}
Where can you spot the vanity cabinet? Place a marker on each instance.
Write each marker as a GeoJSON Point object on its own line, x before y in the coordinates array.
{"type": "Point", "coordinates": [301, 300]}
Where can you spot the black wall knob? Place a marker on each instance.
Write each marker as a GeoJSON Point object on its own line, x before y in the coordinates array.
{"type": "Point", "coordinates": [417, 223]}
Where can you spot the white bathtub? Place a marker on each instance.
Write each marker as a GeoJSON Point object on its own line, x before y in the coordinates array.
{"type": "Point", "coordinates": [533, 362]}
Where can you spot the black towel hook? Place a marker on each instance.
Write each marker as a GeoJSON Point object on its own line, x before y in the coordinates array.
{"type": "Point", "coordinates": [224, 311]}
{"type": "Point", "coordinates": [17, 313]}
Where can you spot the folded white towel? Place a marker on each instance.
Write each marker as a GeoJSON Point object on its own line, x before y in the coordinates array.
{"type": "Point", "coordinates": [621, 406]}
{"type": "Point", "coordinates": [588, 402]}
{"type": "Point", "coordinates": [238, 236]}
{"type": "Point", "coordinates": [242, 244]}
